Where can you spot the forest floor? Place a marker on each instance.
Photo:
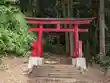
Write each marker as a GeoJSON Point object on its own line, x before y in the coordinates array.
{"type": "Point", "coordinates": [11, 71]}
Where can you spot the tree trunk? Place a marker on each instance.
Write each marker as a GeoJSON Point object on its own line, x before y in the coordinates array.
{"type": "Point", "coordinates": [87, 52]}
{"type": "Point", "coordinates": [35, 7]}
{"type": "Point", "coordinates": [102, 26]}
{"type": "Point", "coordinates": [70, 15]}
{"type": "Point", "coordinates": [65, 26]}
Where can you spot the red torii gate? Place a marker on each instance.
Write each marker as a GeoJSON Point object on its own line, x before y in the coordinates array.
{"type": "Point", "coordinates": [37, 46]}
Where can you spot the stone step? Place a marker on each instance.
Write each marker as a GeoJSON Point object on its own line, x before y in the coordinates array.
{"type": "Point", "coordinates": [56, 66]}
{"type": "Point", "coordinates": [57, 80]}
{"type": "Point", "coordinates": [53, 70]}
{"type": "Point", "coordinates": [62, 75]}
{"type": "Point", "coordinates": [57, 74]}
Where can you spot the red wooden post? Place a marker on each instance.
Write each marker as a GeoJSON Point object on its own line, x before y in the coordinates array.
{"type": "Point", "coordinates": [76, 42]}
{"type": "Point", "coordinates": [34, 48]}
{"type": "Point", "coordinates": [40, 41]}
{"type": "Point", "coordinates": [80, 49]}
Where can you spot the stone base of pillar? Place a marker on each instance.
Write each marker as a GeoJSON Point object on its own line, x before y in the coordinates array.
{"type": "Point", "coordinates": [34, 61]}
{"type": "Point", "coordinates": [79, 63]}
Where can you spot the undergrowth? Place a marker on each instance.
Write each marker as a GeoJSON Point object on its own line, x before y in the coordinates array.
{"type": "Point", "coordinates": [104, 62]}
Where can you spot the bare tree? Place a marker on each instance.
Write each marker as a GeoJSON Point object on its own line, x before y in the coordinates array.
{"type": "Point", "coordinates": [102, 26]}
{"type": "Point", "coordinates": [64, 8]}
{"type": "Point", "coordinates": [67, 10]}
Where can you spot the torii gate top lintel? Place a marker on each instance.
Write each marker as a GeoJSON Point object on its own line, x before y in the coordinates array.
{"type": "Point", "coordinates": [59, 20]}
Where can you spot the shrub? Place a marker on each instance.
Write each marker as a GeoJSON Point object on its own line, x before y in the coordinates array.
{"type": "Point", "coordinates": [14, 37]}
{"type": "Point", "coordinates": [104, 61]}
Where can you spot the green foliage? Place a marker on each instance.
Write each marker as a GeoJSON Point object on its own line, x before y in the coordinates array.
{"type": "Point", "coordinates": [14, 37]}
{"type": "Point", "coordinates": [4, 2]}
{"type": "Point", "coordinates": [104, 61]}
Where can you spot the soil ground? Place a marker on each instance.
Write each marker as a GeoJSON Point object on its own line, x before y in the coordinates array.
{"type": "Point", "coordinates": [11, 71]}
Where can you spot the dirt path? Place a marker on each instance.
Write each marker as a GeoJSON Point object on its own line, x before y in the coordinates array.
{"type": "Point", "coordinates": [12, 73]}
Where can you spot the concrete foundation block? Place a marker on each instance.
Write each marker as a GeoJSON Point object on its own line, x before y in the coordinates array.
{"type": "Point", "coordinates": [34, 61]}
{"type": "Point", "coordinates": [79, 63]}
